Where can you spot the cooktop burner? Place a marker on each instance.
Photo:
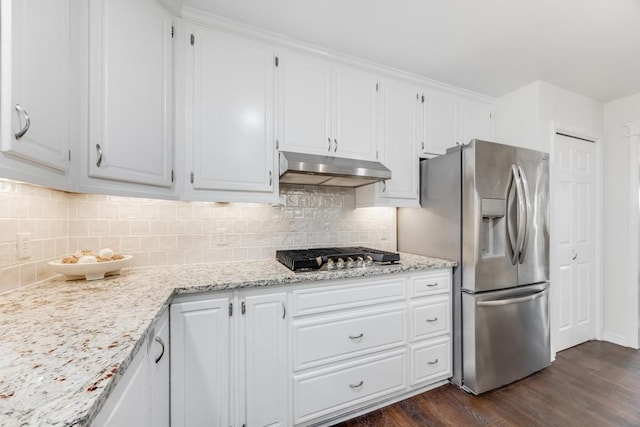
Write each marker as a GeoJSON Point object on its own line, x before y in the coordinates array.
{"type": "Point", "coordinates": [334, 258]}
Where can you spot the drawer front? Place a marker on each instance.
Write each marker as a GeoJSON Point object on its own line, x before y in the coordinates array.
{"type": "Point", "coordinates": [428, 320]}
{"type": "Point", "coordinates": [431, 361]}
{"type": "Point", "coordinates": [330, 339]}
{"type": "Point", "coordinates": [430, 284]}
{"type": "Point", "coordinates": [338, 297]}
{"type": "Point", "coordinates": [334, 390]}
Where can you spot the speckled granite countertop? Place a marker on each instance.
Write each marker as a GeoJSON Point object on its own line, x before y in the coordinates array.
{"type": "Point", "coordinates": [64, 345]}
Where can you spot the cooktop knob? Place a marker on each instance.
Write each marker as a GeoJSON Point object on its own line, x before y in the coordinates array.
{"type": "Point", "coordinates": [350, 263]}
{"type": "Point", "coordinates": [340, 263]}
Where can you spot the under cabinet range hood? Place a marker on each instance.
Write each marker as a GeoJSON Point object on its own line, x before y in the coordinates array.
{"type": "Point", "coordinates": [312, 169]}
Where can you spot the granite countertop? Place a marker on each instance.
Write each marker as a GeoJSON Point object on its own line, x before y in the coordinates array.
{"type": "Point", "coordinates": [65, 344]}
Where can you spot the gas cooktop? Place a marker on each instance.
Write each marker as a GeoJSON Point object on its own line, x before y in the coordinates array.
{"type": "Point", "coordinates": [334, 258]}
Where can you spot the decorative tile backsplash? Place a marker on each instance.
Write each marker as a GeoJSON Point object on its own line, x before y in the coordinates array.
{"type": "Point", "coordinates": [160, 232]}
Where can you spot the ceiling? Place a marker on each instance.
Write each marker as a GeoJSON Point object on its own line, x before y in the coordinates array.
{"type": "Point", "coordinates": [591, 47]}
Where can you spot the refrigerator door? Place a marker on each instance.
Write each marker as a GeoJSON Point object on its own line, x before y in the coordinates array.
{"type": "Point", "coordinates": [505, 336]}
{"type": "Point", "coordinates": [533, 259]}
{"type": "Point", "coordinates": [487, 209]}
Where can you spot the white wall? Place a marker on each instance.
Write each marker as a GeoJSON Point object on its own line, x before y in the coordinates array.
{"type": "Point", "coordinates": [524, 116]}
{"type": "Point", "coordinates": [517, 118]}
{"type": "Point", "coordinates": [617, 304]}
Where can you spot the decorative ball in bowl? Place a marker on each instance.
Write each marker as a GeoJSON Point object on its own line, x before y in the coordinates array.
{"type": "Point", "coordinates": [89, 265]}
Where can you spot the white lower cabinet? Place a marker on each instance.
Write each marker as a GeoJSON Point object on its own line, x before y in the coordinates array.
{"type": "Point", "coordinates": [141, 397]}
{"type": "Point", "coordinates": [229, 360]}
{"type": "Point", "coordinates": [308, 354]}
{"type": "Point", "coordinates": [200, 362]}
{"type": "Point", "coordinates": [327, 392]}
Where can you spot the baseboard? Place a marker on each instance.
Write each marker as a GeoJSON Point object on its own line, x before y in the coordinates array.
{"type": "Point", "coordinates": [615, 339]}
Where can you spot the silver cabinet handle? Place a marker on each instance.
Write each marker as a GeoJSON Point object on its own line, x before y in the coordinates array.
{"type": "Point", "coordinates": [431, 285]}
{"type": "Point", "coordinates": [432, 362]}
{"type": "Point", "coordinates": [499, 302]}
{"type": "Point", "coordinates": [423, 146]}
{"type": "Point", "coordinates": [527, 208]}
{"type": "Point", "coordinates": [511, 232]}
{"type": "Point", "coordinates": [159, 341]}
{"type": "Point", "coordinates": [384, 186]}
{"type": "Point", "coordinates": [329, 147]}
{"type": "Point", "coordinates": [435, 319]}
{"type": "Point", "coordinates": [575, 256]}
{"type": "Point", "coordinates": [270, 178]}
{"type": "Point", "coordinates": [335, 147]}
{"type": "Point", "coordinates": [27, 122]}
{"type": "Point", "coordinates": [357, 337]}
{"type": "Point", "coordinates": [353, 386]}
{"type": "Point", "coordinates": [284, 310]}
{"type": "Point", "coordinates": [99, 149]}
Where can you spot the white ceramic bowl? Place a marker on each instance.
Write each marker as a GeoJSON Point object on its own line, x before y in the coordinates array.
{"type": "Point", "coordinates": [94, 271]}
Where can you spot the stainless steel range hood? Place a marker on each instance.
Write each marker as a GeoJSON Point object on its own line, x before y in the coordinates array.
{"type": "Point", "coordinates": [311, 169]}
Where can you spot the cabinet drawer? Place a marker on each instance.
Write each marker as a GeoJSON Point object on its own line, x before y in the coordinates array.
{"type": "Point", "coordinates": [329, 298]}
{"type": "Point", "coordinates": [337, 337]}
{"type": "Point", "coordinates": [431, 361]}
{"type": "Point", "coordinates": [333, 390]}
{"type": "Point", "coordinates": [428, 320]}
{"type": "Point", "coordinates": [429, 284]}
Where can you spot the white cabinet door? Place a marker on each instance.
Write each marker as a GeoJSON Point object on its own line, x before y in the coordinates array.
{"type": "Point", "coordinates": [304, 87]}
{"type": "Point", "coordinates": [439, 130]}
{"type": "Point", "coordinates": [398, 112]}
{"type": "Point", "coordinates": [130, 402]}
{"type": "Point", "coordinates": [130, 93]}
{"type": "Point", "coordinates": [36, 74]}
{"type": "Point", "coordinates": [230, 83]}
{"type": "Point", "coordinates": [159, 360]}
{"type": "Point", "coordinates": [265, 360]}
{"type": "Point", "coordinates": [200, 367]}
{"type": "Point", "coordinates": [475, 121]}
{"type": "Point", "coordinates": [354, 115]}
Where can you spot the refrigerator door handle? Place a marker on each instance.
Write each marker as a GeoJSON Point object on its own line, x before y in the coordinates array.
{"type": "Point", "coordinates": [522, 250]}
{"type": "Point", "coordinates": [499, 302]}
{"type": "Point", "coordinates": [522, 215]}
{"type": "Point", "coordinates": [510, 230]}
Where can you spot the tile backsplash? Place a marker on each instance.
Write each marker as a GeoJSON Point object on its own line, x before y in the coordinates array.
{"type": "Point", "coordinates": [160, 232]}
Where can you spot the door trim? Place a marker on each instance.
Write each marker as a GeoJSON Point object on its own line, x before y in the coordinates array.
{"type": "Point", "coordinates": [632, 340]}
{"type": "Point", "coordinates": [587, 137]}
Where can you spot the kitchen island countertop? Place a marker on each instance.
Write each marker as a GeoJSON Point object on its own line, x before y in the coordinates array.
{"type": "Point", "coordinates": [65, 344]}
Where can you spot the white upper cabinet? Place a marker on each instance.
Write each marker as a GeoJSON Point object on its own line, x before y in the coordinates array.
{"type": "Point", "coordinates": [355, 107]}
{"type": "Point", "coordinates": [475, 120]}
{"type": "Point", "coordinates": [449, 119]}
{"type": "Point", "coordinates": [229, 115]}
{"type": "Point", "coordinates": [439, 129]}
{"type": "Point", "coordinates": [399, 123]}
{"type": "Point", "coordinates": [130, 92]}
{"type": "Point", "coordinates": [304, 104]}
{"type": "Point", "coordinates": [36, 62]}
{"type": "Point", "coordinates": [325, 108]}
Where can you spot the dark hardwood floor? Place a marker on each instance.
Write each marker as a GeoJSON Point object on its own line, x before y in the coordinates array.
{"type": "Point", "coordinates": [593, 384]}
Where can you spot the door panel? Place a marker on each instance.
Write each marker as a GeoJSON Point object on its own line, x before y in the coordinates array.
{"type": "Point", "coordinates": [505, 336]}
{"type": "Point", "coordinates": [486, 261]}
{"type": "Point", "coordinates": [573, 241]}
{"type": "Point", "coordinates": [534, 265]}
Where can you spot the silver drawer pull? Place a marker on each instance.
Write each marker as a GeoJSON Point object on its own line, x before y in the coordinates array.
{"type": "Point", "coordinates": [357, 337]}
{"type": "Point", "coordinates": [433, 362]}
{"type": "Point", "coordinates": [431, 285]}
{"type": "Point", "coordinates": [435, 319]}
{"type": "Point", "coordinates": [354, 386]}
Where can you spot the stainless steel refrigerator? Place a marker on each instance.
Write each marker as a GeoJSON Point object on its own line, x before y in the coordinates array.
{"type": "Point", "coordinates": [485, 205]}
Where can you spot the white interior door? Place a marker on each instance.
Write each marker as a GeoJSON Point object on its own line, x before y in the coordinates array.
{"type": "Point", "coordinates": [573, 235]}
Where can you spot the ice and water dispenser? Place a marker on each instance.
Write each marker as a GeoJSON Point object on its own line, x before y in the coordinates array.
{"type": "Point", "coordinates": [492, 232]}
